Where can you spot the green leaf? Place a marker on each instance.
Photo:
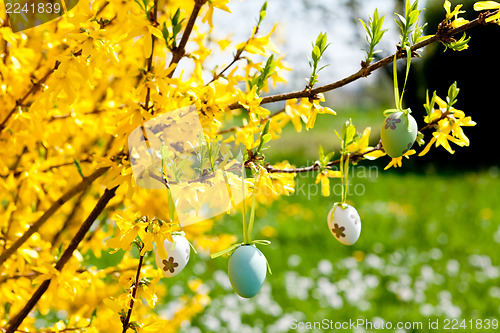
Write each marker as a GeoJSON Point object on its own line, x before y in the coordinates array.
{"type": "Point", "coordinates": [93, 316]}
{"type": "Point", "coordinates": [263, 13]}
{"type": "Point", "coordinates": [264, 136]}
{"type": "Point", "coordinates": [338, 136]}
{"type": "Point", "coordinates": [328, 158]}
{"type": "Point", "coordinates": [214, 151]}
{"type": "Point", "coordinates": [60, 251]}
{"type": "Point", "coordinates": [321, 153]}
{"type": "Point", "coordinates": [452, 94]}
{"type": "Point", "coordinates": [321, 41]}
{"type": "Point", "coordinates": [429, 105]}
{"type": "Point", "coordinates": [140, 5]}
{"type": "Point", "coordinates": [78, 167]}
{"type": "Point", "coordinates": [413, 17]}
{"type": "Point", "coordinates": [266, 127]}
{"type": "Point", "coordinates": [351, 132]}
{"type": "Point", "coordinates": [135, 326]}
{"type": "Point", "coordinates": [402, 19]}
{"type": "Point", "coordinates": [265, 73]}
{"type": "Point", "coordinates": [366, 29]}
{"type": "Point", "coordinates": [175, 18]}
{"type": "Point", "coordinates": [166, 35]}
{"type": "Point", "coordinates": [374, 34]}
{"type": "Point", "coordinates": [348, 132]}
{"type": "Point", "coordinates": [319, 48]}
{"type": "Point", "coordinates": [420, 138]}
{"type": "Point", "coordinates": [316, 54]}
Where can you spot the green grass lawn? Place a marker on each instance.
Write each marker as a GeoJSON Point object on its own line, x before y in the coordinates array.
{"type": "Point", "coordinates": [428, 250]}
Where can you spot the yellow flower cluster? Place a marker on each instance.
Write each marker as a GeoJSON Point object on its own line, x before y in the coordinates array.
{"type": "Point", "coordinates": [452, 16]}
{"type": "Point", "coordinates": [85, 80]}
{"type": "Point", "coordinates": [485, 5]}
{"type": "Point", "coordinates": [449, 122]}
{"type": "Point", "coordinates": [304, 110]}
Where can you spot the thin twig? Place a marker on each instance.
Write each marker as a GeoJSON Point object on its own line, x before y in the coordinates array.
{"type": "Point", "coordinates": [149, 64]}
{"type": "Point", "coordinates": [68, 253]}
{"type": "Point", "coordinates": [126, 323]}
{"type": "Point", "coordinates": [50, 168]}
{"type": "Point", "coordinates": [69, 115]}
{"type": "Point", "coordinates": [34, 88]}
{"type": "Point", "coordinates": [236, 57]}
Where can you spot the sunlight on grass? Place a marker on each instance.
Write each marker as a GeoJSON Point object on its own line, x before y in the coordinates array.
{"type": "Point", "coordinates": [428, 249]}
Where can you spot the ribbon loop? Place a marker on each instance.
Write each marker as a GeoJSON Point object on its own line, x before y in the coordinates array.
{"type": "Point", "coordinates": [233, 248]}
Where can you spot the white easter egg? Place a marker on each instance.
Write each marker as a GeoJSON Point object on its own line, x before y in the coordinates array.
{"type": "Point", "coordinates": [177, 257]}
{"type": "Point", "coordinates": [344, 223]}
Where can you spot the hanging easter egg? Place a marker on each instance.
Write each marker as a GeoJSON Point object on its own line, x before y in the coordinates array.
{"type": "Point", "coordinates": [247, 270]}
{"type": "Point", "coordinates": [344, 223]}
{"type": "Point", "coordinates": [177, 256]}
{"type": "Point", "coordinates": [398, 133]}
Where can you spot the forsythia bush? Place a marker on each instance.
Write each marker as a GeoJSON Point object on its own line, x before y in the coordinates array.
{"type": "Point", "coordinates": [73, 89]}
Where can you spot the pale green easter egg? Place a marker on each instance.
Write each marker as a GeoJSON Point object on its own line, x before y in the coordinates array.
{"type": "Point", "coordinates": [247, 270]}
{"type": "Point", "coordinates": [398, 133]}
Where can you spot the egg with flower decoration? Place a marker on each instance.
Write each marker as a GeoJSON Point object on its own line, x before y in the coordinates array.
{"type": "Point", "coordinates": [247, 270]}
{"type": "Point", "coordinates": [177, 257]}
{"type": "Point", "coordinates": [344, 223]}
{"type": "Point", "coordinates": [398, 133]}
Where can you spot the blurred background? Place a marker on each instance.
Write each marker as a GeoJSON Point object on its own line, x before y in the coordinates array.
{"type": "Point", "coordinates": [429, 246]}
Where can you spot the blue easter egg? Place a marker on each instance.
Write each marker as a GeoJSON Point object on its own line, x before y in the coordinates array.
{"type": "Point", "coordinates": [247, 270]}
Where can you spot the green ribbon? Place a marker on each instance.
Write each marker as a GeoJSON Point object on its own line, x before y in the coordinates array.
{"type": "Point", "coordinates": [406, 111]}
{"type": "Point", "coordinates": [342, 205]}
{"type": "Point", "coordinates": [233, 248]}
{"type": "Point", "coordinates": [391, 111]}
{"type": "Point", "coordinates": [183, 234]}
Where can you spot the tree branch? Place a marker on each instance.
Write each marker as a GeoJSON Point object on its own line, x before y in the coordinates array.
{"type": "Point", "coordinates": [316, 166]}
{"type": "Point", "coordinates": [86, 182]}
{"type": "Point", "coordinates": [101, 204]}
{"type": "Point", "coordinates": [365, 71]}
{"type": "Point", "coordinates": [68, 219]}
{"type": "Point", "coordinates": [353, 158]}
{"type": "Point", "coordinates": [180, 50]}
